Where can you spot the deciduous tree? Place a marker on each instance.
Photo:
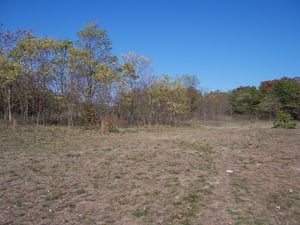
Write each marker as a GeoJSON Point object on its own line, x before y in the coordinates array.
{"type": "Point", "coordinates": [244, 100]}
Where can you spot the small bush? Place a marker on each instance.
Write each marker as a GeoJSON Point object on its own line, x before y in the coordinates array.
{"type": "Point", "coordinates": [284, 120]}
{"type": "Point", "coordinates": [128, 130]}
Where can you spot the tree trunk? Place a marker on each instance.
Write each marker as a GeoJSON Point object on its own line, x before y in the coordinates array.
{"type": "Point", "coordinates": [9, 105]}
{"type": "Point", "coordinates": [70, 115]}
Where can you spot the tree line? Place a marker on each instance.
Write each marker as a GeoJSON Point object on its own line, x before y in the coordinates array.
{"type": "Point", "coordinates": [49, 81]}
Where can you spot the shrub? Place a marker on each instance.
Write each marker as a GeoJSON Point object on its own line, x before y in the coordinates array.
{"type": "Point", "coordinates": [284, 120]}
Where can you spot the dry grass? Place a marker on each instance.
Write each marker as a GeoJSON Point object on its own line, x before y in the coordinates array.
{"type": "Point", "coordinates": [157, 175]}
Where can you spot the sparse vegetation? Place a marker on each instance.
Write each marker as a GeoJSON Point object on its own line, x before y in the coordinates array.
{"type": "Point", "coordinates": [157, 175]}
{"type": "Point", "coordinates": [80, 191]}
{"type": "Point", "coordinates": [111, 187]}
{"type": "Point", "coordinates": [140, 213]}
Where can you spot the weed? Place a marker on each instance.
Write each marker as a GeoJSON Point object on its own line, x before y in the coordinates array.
{"type": "Point", "coordinates": [19, 203]}
{"type": "Point", "coordinates": [128, 130]}
{"type": "Point", "coordinates": [141, 213]}
{"type": "Point", "coordinates": [72, 155]}
{"type": "Point", "coordinates": [186, 222]}
{"type": "Point", "coordinates": [172, 190]}
{"type": "Point", "coordinates": [176, 203]}
{"type": "Point", "coordinates": [191, 211]}
{"type": "Point", "coordinates": [207, 190]}
{"type": "Point", "coordinates": [285, 199]}
{"type": "Point", "coordinates": [173, 172]}
{"type": "Point", "coordinates": [198, 148]}
{"type": "Point", "coordinates": [234, 212]}
{"type": "Point", "coordinates": [260, 223]}
{"type": "Point", "coordinates": [156, 193]}
{"type": "Point", "coordinates": [201, 179]}
{"type": "Point", "coordinates": [95, 181]}
{"type": "Point", "coordinates": [192, 198]}
{"type": "Point", "coordinates": [81, 191]}
{"type": "Point", "coordinates": [111, 187]}
{"type": "Point", "coordinates": [34, 169]}
{"type": "Point", "coordinates": [72, 206]}
{"type": "Point", "coordinates": [54, 196]}
{"type": "Point", "coordinates": [55, 166]}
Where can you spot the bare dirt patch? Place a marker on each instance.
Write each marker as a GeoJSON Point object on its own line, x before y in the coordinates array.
{"type": "Point", "coordinates": [159, 175]}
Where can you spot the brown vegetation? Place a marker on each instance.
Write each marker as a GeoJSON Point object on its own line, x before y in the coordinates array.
{"type": "Point", "coordinates": [155, 175]}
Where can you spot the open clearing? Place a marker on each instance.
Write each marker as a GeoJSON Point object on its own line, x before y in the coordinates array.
{"type": "Point", "coordinates": [205, 173]}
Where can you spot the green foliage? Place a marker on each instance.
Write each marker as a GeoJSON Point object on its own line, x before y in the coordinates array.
{"type": "Point", "coordinates": [284, 120]}
{"type": "Point", "coordinates": [89, 116]}
{"type": "Point", "coordinates": [268, 107]}
{"type": "Point", "coordinates": [43, 80]}
{"type": "Point", "coordinates": [288, 93]}
{"type": "Point", "coordinates": [93, 62]}
{"type": "Point", "coordinates": [245, 100]}
{"type": "Point", "coordinates": [9, 70]}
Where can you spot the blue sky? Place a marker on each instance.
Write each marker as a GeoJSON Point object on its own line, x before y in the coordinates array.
{"type": "Point", "coordinates": [225, 43]}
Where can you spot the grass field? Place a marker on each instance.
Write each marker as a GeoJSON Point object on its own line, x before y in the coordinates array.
{"type": "Point", "coordinates": [202, 173]}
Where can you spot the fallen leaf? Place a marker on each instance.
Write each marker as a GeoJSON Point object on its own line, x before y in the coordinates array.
{"type": "Point", "coordinates": [180, 216]}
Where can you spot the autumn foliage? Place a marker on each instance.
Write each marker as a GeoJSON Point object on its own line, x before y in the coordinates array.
{"type": "Point", "coordinates": [49, 81]}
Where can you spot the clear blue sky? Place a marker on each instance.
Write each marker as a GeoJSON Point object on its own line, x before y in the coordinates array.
{"type": "Point", "coordinates": [226, 43]}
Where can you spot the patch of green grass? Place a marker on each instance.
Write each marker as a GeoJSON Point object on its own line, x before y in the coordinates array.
{"type": "Point", "coordinates": [240, 187]}
{"type": "Point", "coordinates": [111, 187]}
{"type": "Point", "coordinates": [199, 148]}
{"type": "Point", "coordinates": [55, 166]}
{"type": "Point", "coordinates": [156, 193]}
{"type": "Point", "coordinates": [141, 213]}
{"type": "Point", "coordinates": [192, 198]}
{"type": "Point", "coordinates": [186, 124]}
{"type": "Point", "coordinates": [141, 176]}
{"type": "Point", "coordinates": [173, 172]}
{"type": "Point", "coordinates": [118, 177]}
{"type": "Point", "coordinates": [95, 181]}
{"type": "Point", "coordinates": [186, 222]}
{"type": "Point", "coordinates": [243, 221]}
{"type": "Point", "coordinates": [81, 191]}
{"type": "Point", "coordinates": [205, 149]}
{"type": "Point", "coordinates": [201, 179]}
{"type": "Point", "coordinates": [191, 211]}
{"type": "Point", "coordinates": [234, 212]}
{"type": "Point", "coordinates": [176, 203]}
{"type": "Point", "coordinates": [128, 130]}
{"type": "Point", "coordinates": [136, 158]}
{"type": "Point", "coordinates": [73, 155]}
{"type": "Point", "coordinates": [34, 169]}
{"type": "Point", "coordinates": [172, 190]}
{"type": "Point", "coordinates": [260, 223]}
{"type": "Point", "coordinates": [54, 196]}
{"type": "Point", "coordinates": [284, 199]}
{"type": "Point", "coordinates": [19, 203]}
{"type": "Point", "coordinates": [72, 206]}
{"type": "Point", "coordinates": [207, 190]}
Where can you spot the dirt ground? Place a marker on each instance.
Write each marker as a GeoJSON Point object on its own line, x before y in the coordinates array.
{"type": "Point", "coordinates": [202, 173]}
